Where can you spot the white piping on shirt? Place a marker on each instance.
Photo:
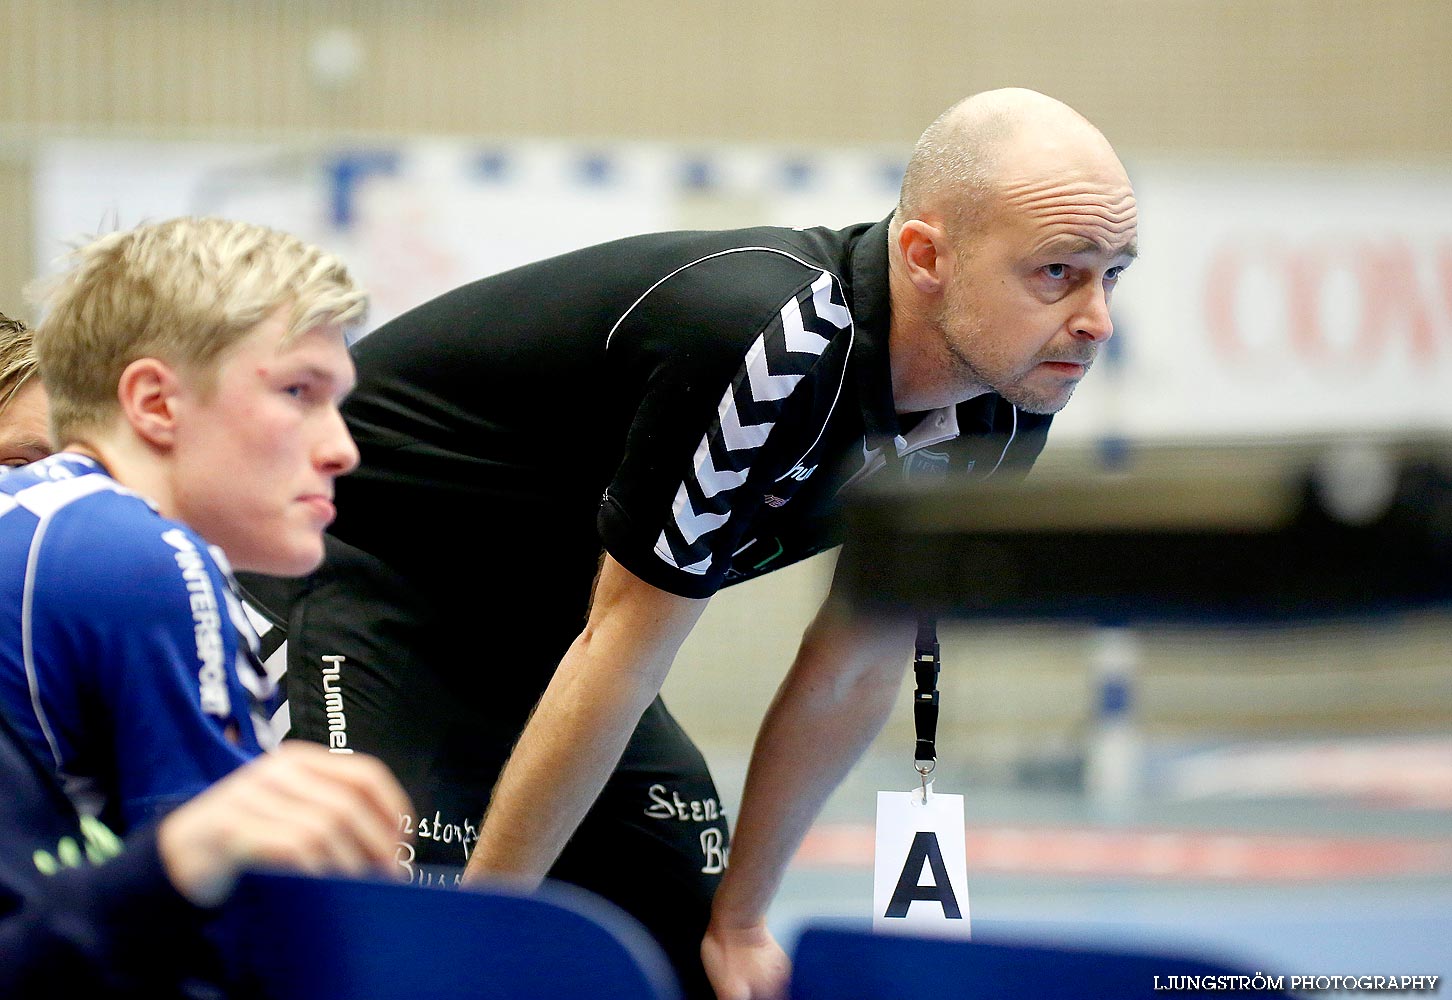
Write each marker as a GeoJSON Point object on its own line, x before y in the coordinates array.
{"type": "Point", "coordinates": [851, 330]}
{"type": "Point", "coordinates": [1012, 433]}
{"type": "Point", "coordinates": [27, 640]}
{"type": "Point", "coordinates": [710, 256]}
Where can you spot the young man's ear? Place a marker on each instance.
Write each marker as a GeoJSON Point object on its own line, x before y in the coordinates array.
{"type": "Point", "coordinates": [147, 393]}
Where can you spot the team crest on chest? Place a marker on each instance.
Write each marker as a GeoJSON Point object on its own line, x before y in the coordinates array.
{"type": "Point", "coordinates": [925, 464]}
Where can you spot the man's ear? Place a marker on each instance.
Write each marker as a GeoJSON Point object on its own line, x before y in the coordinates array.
{"type": "Point", "coordinates": [925, 254]}
{"type": "Point", "coordinates": [148, 392]}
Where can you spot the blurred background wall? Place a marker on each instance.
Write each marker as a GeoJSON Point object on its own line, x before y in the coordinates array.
{"type": "Point", "coordinates": [1292, 82]}
{"type": "Point", "coordinates": [1329, 78]}
{"type": "Point", "coordinates": [1321, 79]}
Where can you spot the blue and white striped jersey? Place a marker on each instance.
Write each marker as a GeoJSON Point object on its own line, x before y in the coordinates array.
{"type": "Point", "coordinates": [125, 657]}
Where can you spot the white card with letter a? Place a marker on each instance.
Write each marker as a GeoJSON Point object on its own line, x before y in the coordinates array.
{"type": "Point", "coordinates": [920, 878]}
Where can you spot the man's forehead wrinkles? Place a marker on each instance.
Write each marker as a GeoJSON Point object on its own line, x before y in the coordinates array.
{"type": "Point", "coordinates": [1078, 216]}
{"type": "Point", "coordinates": [1118, 201]}
{"type": "Point", "coordinates": [1083, 233]}
{"type": "Point", "coordinates": [1074, 208]}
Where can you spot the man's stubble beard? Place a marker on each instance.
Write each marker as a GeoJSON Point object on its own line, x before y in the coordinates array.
{"type": "Point", "coordinates": [972, 378]}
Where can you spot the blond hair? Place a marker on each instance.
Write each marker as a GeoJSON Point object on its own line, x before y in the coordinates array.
{"type": "Point", "coordinates": [182, 291]}
{"type": "Point", "coordinates": [17, 359]}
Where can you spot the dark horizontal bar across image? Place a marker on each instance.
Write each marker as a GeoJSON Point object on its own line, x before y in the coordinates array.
{"type": "Point", "coordinates": [1309, 533]}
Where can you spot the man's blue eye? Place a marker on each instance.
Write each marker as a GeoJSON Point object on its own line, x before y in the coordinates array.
{"type": "Point", "coordinates": [1057, 271]}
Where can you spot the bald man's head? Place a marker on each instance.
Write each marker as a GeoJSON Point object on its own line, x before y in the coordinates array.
{"type": "Point", "coordinates": [1015, 223]}
{"type": "Point", "coordinates": [962, 159]}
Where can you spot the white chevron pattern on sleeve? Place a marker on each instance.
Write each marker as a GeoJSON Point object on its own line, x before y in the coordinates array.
{"type": "Point", "coordinates": [766, 387]}
{"type": "Point", "coordinates": [697, 568]}
{"type": "Point", "coordinates": [776, 362]}
{"type": "Point", "coordinates": [825, 308]}
{"type": "Point", "coordinates": [735, 435]}
{"type": "Point", "coordinates": [691, 524]}
{"type": "Point", "coordinates": [798, 337]}
{"type": "Point", "coordinates": [712, 479]}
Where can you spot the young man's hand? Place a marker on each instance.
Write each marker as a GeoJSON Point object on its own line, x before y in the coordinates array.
{"type": "Point", "coordinates": [298, 807]}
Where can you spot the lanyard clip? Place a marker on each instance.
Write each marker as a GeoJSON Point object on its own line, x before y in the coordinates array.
{"type": "Point", "coordinates": [926, 667]}
{"type": "Point", "coordinates": [923, 773]}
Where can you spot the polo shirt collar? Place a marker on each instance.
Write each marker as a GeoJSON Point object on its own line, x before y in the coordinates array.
{"type": "Point", "coordinates": [872, 316]}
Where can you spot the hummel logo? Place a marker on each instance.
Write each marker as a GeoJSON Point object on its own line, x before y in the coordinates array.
{"type": "Point", "coordinates": [333, 704]}
{"type": "Point", "coordinates": [800, 473]}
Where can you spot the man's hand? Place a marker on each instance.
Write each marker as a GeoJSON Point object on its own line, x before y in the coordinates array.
{"type": "Point", "coordinates": [297, 807]}
{"type": "Point", "coordinates": [744, 963]}
{"type": "Point", "coordinates": [833, 702]}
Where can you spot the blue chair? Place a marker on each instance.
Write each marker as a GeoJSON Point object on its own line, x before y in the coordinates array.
{"type": "Point", "coordinates": [844, 964]}
{"type": "Point", "coordinates": [300, 937]}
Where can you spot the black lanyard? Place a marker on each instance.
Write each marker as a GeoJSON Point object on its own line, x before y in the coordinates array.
{"type": "Point", "coordinates": [925, 698]}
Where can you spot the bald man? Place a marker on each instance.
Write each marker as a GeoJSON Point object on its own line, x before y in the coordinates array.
{"type": "Point", "coordinates": [562, 463]}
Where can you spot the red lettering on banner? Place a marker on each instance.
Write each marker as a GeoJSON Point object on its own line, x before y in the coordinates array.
{"type": "Point", "coordinates": [1397, 299]}
{"type": "Point", "coordinates": [1444, 258]}
{"type": "Point", "coordinates": [1306, 277]}
{"type": "Point", "coordinates": [1393, 305]}
{"type": "Point", "coordinates": [1222, 284]}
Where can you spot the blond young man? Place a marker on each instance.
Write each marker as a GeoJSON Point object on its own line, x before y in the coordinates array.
{"type": "Point", "coordinates": [193, 370]}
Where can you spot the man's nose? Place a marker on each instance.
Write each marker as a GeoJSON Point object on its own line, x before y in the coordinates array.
{"type": "Point", "coordinates": [338, 454]}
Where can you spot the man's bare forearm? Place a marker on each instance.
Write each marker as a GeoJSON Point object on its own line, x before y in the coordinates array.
{"type": "Point", "coordinates": [573, 741]}
{"type": "Point", "coordinates": [833, 703]}
{"type": "Point", "coordinates": [581, 726]}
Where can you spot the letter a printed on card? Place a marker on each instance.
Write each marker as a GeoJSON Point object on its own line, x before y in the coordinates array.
{"type": "Point", "coordinates": [920, 877]}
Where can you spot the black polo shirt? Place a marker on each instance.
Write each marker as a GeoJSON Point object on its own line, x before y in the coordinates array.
{"type": "Point", "coordinates": [692, 402]}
